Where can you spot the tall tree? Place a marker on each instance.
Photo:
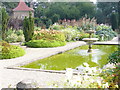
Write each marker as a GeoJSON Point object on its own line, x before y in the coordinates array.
{"type": "Point", "coordinates": [119, 16]}
{"type": "Point", "coordinates": [9, 6]}
{"type": "Point", "coordinates": [65, 10]}
{"type": "Point", "coordinates": [107, 8]}
{"type": "Point", "coordinates": [28, 27]}
{"type": "Point", "coordinates": [4, 23]}
{"type": "Point", "coordinates": [114, 21]}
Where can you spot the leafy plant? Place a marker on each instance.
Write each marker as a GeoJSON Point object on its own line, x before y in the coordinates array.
{"type": "Point", "coordinates": [112, 76]}
{"type": "Point", "coordinates": [56, 27]}
{"type": "Point", "coordinates": [92, 78]}
{"type": "Point", "coordinates": [49, 35]}
{"type": "Point", "coordinates": [14, 36]}
{"type": "Point", "coordinates": [70, 34]}
{"type": "Point", "coordinates": [115, 57]}
{"type": "Point", "coordinates": [105, 32]}
{"type": "Point", "coordinates": [10, 51]}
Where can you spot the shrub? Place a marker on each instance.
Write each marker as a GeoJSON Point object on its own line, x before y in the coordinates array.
{"type": "Point", "coordinates": [112, 76]}
{"type": "Point", "coordinates": [106, 31]}
{"type": "Point", "coordinates": [102, 26]}
{"type": "Point", "coordinates": [115, 57]}
{"type": "Point", "coordinates": [83, 35]}
{"type": "Point", "coordinates": [14, 36]}
{"type": "Point", "coordinates": [70, 34]}
{"type": "Point", "coordinates": [57, 27]}
{"type": "Point", "coordinates": [45, 43]}
{"type": "Point", "coordinates": [11, 38]}
{"type": "Point", "coordinates": [19, 32]}
{"type": "Point", "coordinates": [37, 28]}
{"type": "Point", "coordinates": [10, 51]}
{"type": "Point", "coordinates": [49, 35]}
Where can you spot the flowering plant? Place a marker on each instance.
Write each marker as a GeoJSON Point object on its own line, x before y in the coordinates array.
{"type": "Point", "coordinates": [112, 76]}
{"type": "Point", "coordinates": [90, 79]}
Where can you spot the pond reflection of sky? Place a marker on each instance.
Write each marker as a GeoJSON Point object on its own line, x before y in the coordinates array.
{"type": "Point", "coordinates": [94, 56]}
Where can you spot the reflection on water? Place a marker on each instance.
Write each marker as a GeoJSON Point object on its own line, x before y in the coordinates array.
{"type": "Point", "coordinates": [94, 56]}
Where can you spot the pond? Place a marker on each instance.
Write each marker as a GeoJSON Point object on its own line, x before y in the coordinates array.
{"type": "Point", "coordinates": [75, 58]}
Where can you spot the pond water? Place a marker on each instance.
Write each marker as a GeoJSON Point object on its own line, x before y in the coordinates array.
{"type": "Point", "coordinates": [75, 58]}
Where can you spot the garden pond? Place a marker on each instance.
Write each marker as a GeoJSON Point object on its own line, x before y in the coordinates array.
{"type": "Point", "coordinates": [75, 58]}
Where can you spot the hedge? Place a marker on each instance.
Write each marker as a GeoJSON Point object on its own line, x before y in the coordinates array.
{"type": "Point", "coordinates": [44, 43]}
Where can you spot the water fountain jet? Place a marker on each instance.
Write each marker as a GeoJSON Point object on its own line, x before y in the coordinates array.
{"type": "Point", "coordinates": [90, 40]}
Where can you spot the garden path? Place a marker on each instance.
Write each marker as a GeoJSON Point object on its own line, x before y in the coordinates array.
{"type": "Point", "coordinates": [10, 77]}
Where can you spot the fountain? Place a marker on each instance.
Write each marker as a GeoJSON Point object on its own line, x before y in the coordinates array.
{"type": "Point", "coordinates": [90, 40]}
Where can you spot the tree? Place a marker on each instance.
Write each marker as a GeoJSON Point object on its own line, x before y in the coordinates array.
{"type": "Point", "coordinates": [28, 27]}
{"type": "Point", "coordinates": [9, 6]}
{"type": "Point", "coordinates": [4, 23]}
{"type": "Point", "coordinates": [48, 23]}
{"type": "Point", "coordinates": [55, 18]}
{"type": "Point", "coordinates": [119, 16]}
{"type": "Point", "coordinates": [65, 10]}
{"type": "Point", "coordinates": [114, 21]}
{"type": "Point", "coordinates": [107, 8]}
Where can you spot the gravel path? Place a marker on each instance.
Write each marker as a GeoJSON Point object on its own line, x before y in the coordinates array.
{"type": "Point", "coordinates": [10, 77]}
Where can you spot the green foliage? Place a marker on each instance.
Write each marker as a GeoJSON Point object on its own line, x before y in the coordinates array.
{"type": "Point", "coordinates": [106, 32]}
{"type": "Point", "coordinates": [28, 27]}
{"type": "Point", "coordinates": [4, 23]}
{"type": "Point", "coordinates": [83, 35]}
{"type": "Point", "coordinates": [70, 34]}
{"type": "Point", "coordinates": [9, 6]}
{"type": "Point", "coordinates": [14, 36]}
{"type": "Point", "coordinates": [55, 18]}
{"type": "Point", "coordinates": [49, 35]}
{"type": "Point", "coordinates": [115, 57]}
{"type": "Point", "coordinates": [10, 51]}
{"type": "Point", "coordinates": [114, 21]}
{"type": "Point", "coordinates": [56, 10]}
{"type": "Point", "coordinates": [43, 22]}
{"type": "Point", "coordinates": [119, 17]}
{"type": "Point", "coordinates": [37, 28]}
{"type": "Point", "coordinates": [106, 9]}
{"type": "Point", "coordinates": [48, 23]}
{"type": "Point", "coordinates": [112, 76]}
{"type": "Point", "coordinates": [57, 27]}
{"type": "Point", "coordinates": [45, 43]}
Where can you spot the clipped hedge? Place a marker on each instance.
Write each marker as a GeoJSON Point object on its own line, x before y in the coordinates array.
{"type": "Point", "coordinates": [10, 51]}
{"type": "Point", "coordinates": [44, 43]}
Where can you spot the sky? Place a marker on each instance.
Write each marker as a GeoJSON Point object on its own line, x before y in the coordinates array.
{"type": "Point", "coordinates": [94, 1]}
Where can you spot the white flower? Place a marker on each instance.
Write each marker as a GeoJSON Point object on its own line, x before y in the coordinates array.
{"type": "Point", "coordinates": [99, 82]}
{"type": "Point", "coordinates": [86, 64]}
{"type": "Point", "coordinates": [105, 85]}
{"type": "Point", "coordinates": [94, 69]}
{"type": "Point", "coordinates": [69, 73]}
